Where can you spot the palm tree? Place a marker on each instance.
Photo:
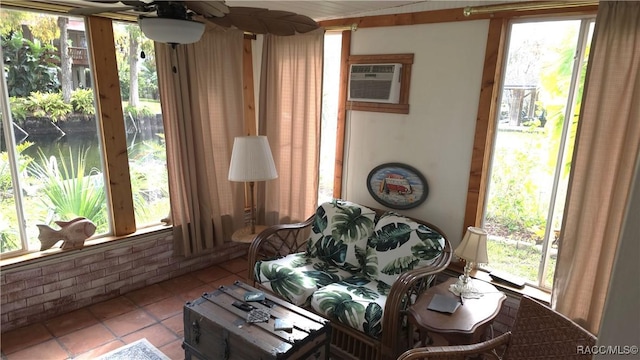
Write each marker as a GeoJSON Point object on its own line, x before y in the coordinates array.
{"type": "Point", "coordinates": [134, 42]}
{"type": "Point", "coordinates": [65, 61]}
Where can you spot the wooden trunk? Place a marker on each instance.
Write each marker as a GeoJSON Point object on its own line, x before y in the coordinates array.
{"type": "Point", "coordinates": [216, 330]}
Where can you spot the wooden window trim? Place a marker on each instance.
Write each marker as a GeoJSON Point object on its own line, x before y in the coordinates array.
{"type": "Point", "coordinates": [342, 114]}
{"type": "Point", "coordinates": [485, 126]}
{"type": "Point", "coordinates": [405, 82]}
{"type": "Point", "coordinates": [110, 117]}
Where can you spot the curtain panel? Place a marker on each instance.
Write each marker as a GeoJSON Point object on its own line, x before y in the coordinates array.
{"type": "Point", "coordinates": [202, 105]}
{"type": "Point", "coordinates": [289, 115]}
{"type": "Point", "coordinates": [607, 146]}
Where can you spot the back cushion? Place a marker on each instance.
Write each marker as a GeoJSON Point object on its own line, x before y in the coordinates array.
{"type": "Point", "coordinates": [338, 227]}
{"type": "Point", "coordinates": [399, 244]}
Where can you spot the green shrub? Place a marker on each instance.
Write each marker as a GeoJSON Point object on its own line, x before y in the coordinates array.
{"type": "Point", "coordinates": [69, 192]}
{"type": "Point", "coordinates": [9, 237]}
{"type": "Point", "coordinates": [18, 107]}
{"type": "Point", "coordinates": [147, 165]}
{"type": "Point", "coordinates": [30, 66]}
{"type": "Point", "coordinates": [82, 101]}
{"type": "Point", "coordinates": [5, 171]}
{"type": "Point", "coordinates": [49, 105]}
{"type": "Point", "coordinates": [137, 112]}
{"type": "Point", "coordinates": [515, 201]}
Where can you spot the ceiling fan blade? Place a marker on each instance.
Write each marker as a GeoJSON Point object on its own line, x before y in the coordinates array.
{"type": "Point", "coordinates": [97, 10]}
{"type": "Point", "coordinates": [137, 4]}
{"type": "Point", "coordinates": [301, 23]}
{"type": "Point", "coordinates": [208, 8]}
{"type": "Point", "coordinates": [263, 21]}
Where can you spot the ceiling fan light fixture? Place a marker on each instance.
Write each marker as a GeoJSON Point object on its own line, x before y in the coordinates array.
{"type": "Point", "coordinates": [171, 31]}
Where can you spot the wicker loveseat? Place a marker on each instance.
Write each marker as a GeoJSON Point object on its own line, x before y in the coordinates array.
{"type": "Point", "coordinates": [360, 267]}
{"type": "Point", "coordinates": [539, 333]}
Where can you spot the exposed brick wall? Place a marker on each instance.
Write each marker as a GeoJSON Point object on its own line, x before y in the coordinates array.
{"type": "Point", "coordinates": [507, 315]}
{"type": "Point", "coordinates": [37, 292]}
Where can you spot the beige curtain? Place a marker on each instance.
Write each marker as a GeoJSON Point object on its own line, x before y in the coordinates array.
{"type": "Point", "coordinates": [201, 92]}
{"type": "Point", "coordinates": [607, 146]}
{"type": "Point", "coordinates": [290, 102]}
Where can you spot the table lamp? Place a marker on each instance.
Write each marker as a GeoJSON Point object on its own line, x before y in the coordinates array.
{"type": "Point", "coordinates": [251, 161]}
{"type": "Point", "coordinates": [472, 249]}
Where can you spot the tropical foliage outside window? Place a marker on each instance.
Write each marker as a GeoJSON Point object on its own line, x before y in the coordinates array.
{"type": "Point", "coordinates": [143, 123]}
{"type": "Point", "coordinates": [536, 124]}
{"type": "Point", "coordinates": [51, 162]}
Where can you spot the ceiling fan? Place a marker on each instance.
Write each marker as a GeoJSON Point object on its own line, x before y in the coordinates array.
{"type": "Point", "coordinates": [173, 21]}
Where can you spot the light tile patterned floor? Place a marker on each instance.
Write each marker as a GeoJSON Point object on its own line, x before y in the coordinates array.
{"type": "Point", "coordinates": [153, 312]}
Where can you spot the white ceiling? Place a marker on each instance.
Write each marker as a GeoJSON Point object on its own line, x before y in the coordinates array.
{"type": "Point", "coordinates": [335, 9]}
{"type": "Point", "coordinates": [324, 9]}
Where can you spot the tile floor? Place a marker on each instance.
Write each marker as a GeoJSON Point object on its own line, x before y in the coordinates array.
{"type": "Point", "coordinates": [153, 312]}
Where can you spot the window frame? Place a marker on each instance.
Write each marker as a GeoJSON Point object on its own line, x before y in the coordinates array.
{"type": "Point", "coordinates": [489, 105]}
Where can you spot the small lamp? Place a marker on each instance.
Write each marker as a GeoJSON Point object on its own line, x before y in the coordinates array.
{"type": "Point", "coordinates": [251, 161]}
{"type": "Point", "coordinates": [472, 249]}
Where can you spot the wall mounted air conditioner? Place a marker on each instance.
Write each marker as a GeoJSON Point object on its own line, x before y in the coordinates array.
{"type": "Point", "coordinates": [378, 83]}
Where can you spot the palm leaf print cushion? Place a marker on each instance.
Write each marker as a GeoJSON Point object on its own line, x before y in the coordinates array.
{"type": "Point", "coordinates": [399, 244]}
{"type": "Point", "coordinates": [338, 227]}
{"type": "Point", "coordinates": [295, 277]}
{"type": "Point", "coordinates": [355, 302]}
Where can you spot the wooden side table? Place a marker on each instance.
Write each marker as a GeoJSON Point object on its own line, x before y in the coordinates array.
{"type": "Point", "coordinates": [244, 235]}
{"type": "Point", "coordinates": [468, 323]}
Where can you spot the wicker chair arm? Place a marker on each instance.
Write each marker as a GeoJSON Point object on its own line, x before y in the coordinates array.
{"type": "Point", "coordinates": [284, 233]}
{"type": "Point", "coordinates": [409, 283]}
{"type": "Point", "coordinates": [487, 348]}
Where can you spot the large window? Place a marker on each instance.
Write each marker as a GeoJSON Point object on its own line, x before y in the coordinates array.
{"type": "Point", "coordinates": [135, 56]}
{"type": "Point", "coordinates": [536, 123]}
{"type": "Point", "coordinates": [329, 122]}
{"type": "Point", "coordinates": [51, 169]}
{"type": "Point", "coordinates": [53, 153]}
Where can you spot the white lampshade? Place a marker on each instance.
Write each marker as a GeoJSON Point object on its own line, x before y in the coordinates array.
{"type": "Point", "coordinates": [473, 247]}
{"type": "Point", "coordinates": [251, 160]}
{"type": "Point", "coordinates": [171, 31]}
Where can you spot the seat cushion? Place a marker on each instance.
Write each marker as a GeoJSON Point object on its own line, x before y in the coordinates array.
{"type": "Point", "coordinates": [355, 302]}
{"type": "Point", "coordinates": [296, 276]}
{"type": "Point", "coordinates": [399, 244]}
{"type": "Point", "coordinates": [338, 227]}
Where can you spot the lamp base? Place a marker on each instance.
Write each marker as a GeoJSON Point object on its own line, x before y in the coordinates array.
{"type": "Point", "coordinates": [244, 235]}
{"type": "Point", "coordinates": [464, 288]}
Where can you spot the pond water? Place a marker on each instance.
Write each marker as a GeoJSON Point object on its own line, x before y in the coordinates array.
{"type": "Point", "coordinates": [69, 146]}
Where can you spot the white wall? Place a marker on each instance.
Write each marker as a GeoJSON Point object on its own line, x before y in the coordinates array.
{"type": "Point", "coordinates": [436, 137]}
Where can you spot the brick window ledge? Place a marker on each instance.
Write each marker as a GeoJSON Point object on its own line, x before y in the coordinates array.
{"type": "Point", "coordinates": [55, 254]}
{"type": "Point", "coordinates": [39, 286]}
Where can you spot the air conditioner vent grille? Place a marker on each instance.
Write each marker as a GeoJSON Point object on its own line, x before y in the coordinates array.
{"type": "Point", "coordinates": [372, 89]}
{"type": "Point", "coordinates": [378, 83]}
{"type": "Point", "coordinates": [373, 69]}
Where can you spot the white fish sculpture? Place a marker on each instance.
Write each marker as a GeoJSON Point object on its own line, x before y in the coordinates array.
{"type": "Point", "coordinates": [73, 232]}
